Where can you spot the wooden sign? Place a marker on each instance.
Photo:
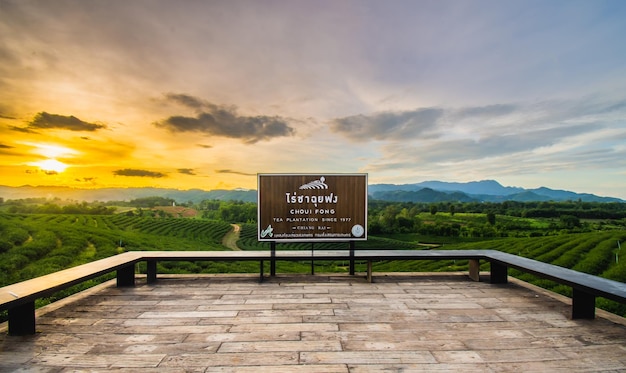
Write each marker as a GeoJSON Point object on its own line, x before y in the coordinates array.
{"type": "Point", "coordinates": [312, 207]}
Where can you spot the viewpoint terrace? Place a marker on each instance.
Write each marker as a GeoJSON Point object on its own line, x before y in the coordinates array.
{"type": "Point", "coordinates": [324, 323]}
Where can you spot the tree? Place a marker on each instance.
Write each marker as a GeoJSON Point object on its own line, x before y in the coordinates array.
{"type": "Point", "coordinates": [569, 221]}
{"type": "Point", "coordinates": [433, 209]}
{"type": "Point", "coordinates": [388, 218]}
{"type": "Point", "coordinates": [491, 218]}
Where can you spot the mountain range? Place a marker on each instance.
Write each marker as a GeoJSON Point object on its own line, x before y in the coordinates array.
{"type": "Point", "coordinates": [475, 191]}
{"type": "Point", "coordinates": [427, 191]}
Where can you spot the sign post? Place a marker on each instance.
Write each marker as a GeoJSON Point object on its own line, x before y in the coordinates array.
{"type": "Point", "coordinates": [312, 208]}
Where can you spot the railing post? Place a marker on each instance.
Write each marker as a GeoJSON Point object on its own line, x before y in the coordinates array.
{"type": "Point", "coordinates": [499, 273]}
{"type": "Point", "coordinates": [352, 245]}
{"type": "Point", "coordinates": [22, 319]}
{"type": "Point", "coordinates": [583, 305]}
{"type": "Point", "coordinates": [273, 259]}
{"type": "Point", "coordinates": [312, 258]}
{"type": "Point", "coordinates": [261, 269]}
{"type": "Point", "coordinates": [152, 271]}
{"type": "Point", "coordinates": [126, 275]}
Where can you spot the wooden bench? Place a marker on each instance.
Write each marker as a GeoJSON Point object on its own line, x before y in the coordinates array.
{"type": "Point", "coordinates": [585, 287]}
{"type": "Point", "coordinates": [19, 299]}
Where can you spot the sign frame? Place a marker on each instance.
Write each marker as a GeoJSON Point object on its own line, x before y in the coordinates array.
{"type": "Point", "coordinates": [312, 207]}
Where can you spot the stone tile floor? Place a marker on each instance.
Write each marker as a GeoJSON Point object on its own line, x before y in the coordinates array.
{"type": "Point", "coordinates": [323, 323]}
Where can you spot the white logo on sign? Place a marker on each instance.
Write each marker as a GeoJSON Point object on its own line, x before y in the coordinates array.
{"type": "Point", "coordinates": [315, 184]}
{"type": "Point", "coordinates": [267, 232]}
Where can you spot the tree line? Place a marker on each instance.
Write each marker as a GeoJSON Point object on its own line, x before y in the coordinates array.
{"type": "Point", "coordinates": [55, 206]}
{"type": "Point", "coordinates": [488, 219]}
{"type": "Point", "coordinates": [492, 219]}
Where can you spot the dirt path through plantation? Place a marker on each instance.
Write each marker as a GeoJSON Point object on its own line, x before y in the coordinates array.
{"type": "Point", "coordinates": [230, 238]}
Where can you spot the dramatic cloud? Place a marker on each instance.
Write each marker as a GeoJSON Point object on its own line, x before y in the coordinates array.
{"type": "Point", "coordinates": [6, 149]}
{"type": "Point", "coordinates": [45, 120]}
{"type": "Point", "coordinates": [21, 129]}
{"type": "Point", "coordinates": [138, 173]}
{"type": "Point", "coordinates": [89, 180]}
{"type": "Point", "coordinates": [577, 135]}
{"type": "Point", "coordinates": [42, 172]}
{"type": "Point", "coordinates": [387, 125]}
{"type": "Point", "coordinates": [186, 100]}
{"type": "Point", "coordinates": [234, 172]}
{"type": "Point", "coordinates": [224, 121]}
{"type": "Point", "coordinates": [457, 150]}
{"type": "Point", "coordinates": [186, 171]}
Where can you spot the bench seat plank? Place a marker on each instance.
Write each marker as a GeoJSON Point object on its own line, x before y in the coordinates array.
{"type": "Point", "coordinates": [602, 287]}
{"type": "Point", "coordinates": [26, 291]}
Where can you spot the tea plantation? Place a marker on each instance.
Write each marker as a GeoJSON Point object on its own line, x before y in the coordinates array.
{"type": "Point", "coordinates": [33, 245]}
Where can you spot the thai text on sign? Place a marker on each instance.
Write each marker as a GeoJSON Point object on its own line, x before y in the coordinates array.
{"type": "Point", "coordinates": [312, 207]}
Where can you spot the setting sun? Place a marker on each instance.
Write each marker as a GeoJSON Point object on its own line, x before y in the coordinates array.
{"type": "Point", "coordinates": [51, 166]}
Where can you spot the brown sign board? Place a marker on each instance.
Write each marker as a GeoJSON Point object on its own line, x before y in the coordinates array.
{"type": "Point", "coordinates": [312, 207]}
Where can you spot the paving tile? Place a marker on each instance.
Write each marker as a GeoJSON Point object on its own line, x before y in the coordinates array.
{"type": "Point", "coordinates": [230, 359]}
{"type": "Point", "coordinates": [300, 327]}
{"type": "Point", "coordinates": [244, 337]}
{"type": "Point", "coordinates": [367, 357]}
{"type": "Point", "coordinates": [413, 344]}
{"type": "Point", "coordinates": [521, 354]}
{"type": "Point", "coordinates": [251, 320]}
{"type": "Point", "coordinates": [271, 346]}
{"type": "Point", "coordinates": [458, 357]}
{"type": "Point", "coordinates": [186, 314]}
{"type": "Point", "coordinates": [326, 368]}
{"type": "Point", "coordinates": [425, 368]}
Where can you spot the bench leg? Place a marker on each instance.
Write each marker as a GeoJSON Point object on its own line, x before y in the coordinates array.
{"type": "Point", "coordinates": [474, 269]}
{"type": "Point", "coordinates": [369, 271]}
{"type": "Point", "coordinates": [152, 271]}
{"type": "Point", "coordinates": [261, 271]}
{"type": "Point", "coordinates": [583, 305]}
{"type": "Point", "coordinates": [22, 319]}
{"type": "Point", "coordinates": [126, 276]}
{"type": "Point", "coordinates": [499, 273]}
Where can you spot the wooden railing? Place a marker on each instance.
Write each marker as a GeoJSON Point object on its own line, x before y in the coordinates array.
{"type": "Point", "coordinates": [19, 299]}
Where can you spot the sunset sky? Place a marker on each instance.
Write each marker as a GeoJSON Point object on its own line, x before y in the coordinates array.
{"type": "Point", "coordinates": [206, 94]}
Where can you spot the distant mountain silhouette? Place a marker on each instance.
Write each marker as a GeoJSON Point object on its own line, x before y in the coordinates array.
{"type": "Point", "coordinates": [477, 191]}
{"type": "Point", "coordinates": [125, 194]}
{"type": "Point", "coordinates": [427, 191]}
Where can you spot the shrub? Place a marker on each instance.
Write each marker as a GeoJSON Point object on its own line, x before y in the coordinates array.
{"type": "Point", "coordinates": [5, 245]}
{"type": "Point", "coordinates": [16, 235]}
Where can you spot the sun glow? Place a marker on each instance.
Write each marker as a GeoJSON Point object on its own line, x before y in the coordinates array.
{"type": "Point", "coordinates": [50, 166]}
